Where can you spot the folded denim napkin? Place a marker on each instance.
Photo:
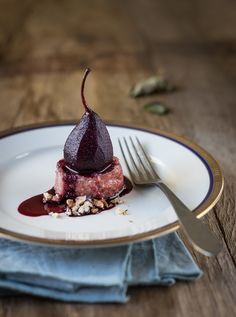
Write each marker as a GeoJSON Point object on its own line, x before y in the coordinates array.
{"type": "Point", "coordinates": [93, 275]}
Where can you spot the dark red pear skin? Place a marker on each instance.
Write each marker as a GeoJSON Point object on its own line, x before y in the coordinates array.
{"type": "Point", "coordinates": [88, 148]}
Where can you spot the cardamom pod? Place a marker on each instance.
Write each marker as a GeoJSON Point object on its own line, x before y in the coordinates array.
{"type": "Point", "coordinates": [151, 85]}
{"type": "Point", "coordinates": [157, 108]}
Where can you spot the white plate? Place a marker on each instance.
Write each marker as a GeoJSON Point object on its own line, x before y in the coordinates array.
{"type": "Point", "coordinates": [27, 167]}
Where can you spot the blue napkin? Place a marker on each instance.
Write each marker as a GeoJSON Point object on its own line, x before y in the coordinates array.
{"type": "Point", "coordinates": [93, 275]}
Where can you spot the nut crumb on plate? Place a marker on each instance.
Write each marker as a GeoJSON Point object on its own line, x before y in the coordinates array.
{"type": "Point", "coordinates": [54, 214]}
{"type": "Point", "coordinates": [121, 212]}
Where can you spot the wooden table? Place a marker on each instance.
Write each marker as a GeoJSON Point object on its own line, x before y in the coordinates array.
{"type": "Point", "coordinates": [44, 48]}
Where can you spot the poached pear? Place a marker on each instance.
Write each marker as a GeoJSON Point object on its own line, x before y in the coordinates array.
{"type": "Point", "coordinates": [88, 148]}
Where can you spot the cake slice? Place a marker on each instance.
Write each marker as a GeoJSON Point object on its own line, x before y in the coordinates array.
{"type": "Point", "coordinates": [107, 184]}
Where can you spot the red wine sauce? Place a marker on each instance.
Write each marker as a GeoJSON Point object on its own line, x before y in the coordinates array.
{"type": "Point", "coordinates": [35, 207]}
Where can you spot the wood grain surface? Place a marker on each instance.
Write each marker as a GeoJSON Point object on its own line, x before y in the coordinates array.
{"type": "Point", "coordinates": [44, 48]}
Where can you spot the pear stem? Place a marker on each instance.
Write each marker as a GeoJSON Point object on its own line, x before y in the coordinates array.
{"type": "Point", "coordinates": [86, 108]}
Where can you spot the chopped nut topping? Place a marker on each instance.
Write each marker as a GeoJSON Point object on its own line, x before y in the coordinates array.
{"type": "Point", "coordinates": [81, 210]}
{"type": "Point", "coordinates": [117, 201]}
{"type": "Point", "coordinates": [88, 204]}
{"type": "Point", "coordinates": [85, 208]}
{"type": "Point", "coordinates": [56, 198]}
{"type": "Point", "coordinates": [82, 205]}
{"type": "Point", "coordinates": [80, 200]}
{"type": "Point", "coordinates": [75, 208]}
{"type": "Point", "coordinates": [98, 203]}
{"type": "Point", "coordinates": [47, 197]}
{"type": "Point", "coordinates": [70, 203]}
{"type": "Point", "coordinates": [105, 203]}
{"type": "Point", "coordinates": [121, 212]}
{"type": "Point", "coordinates": [74, 212]}
{"type": "Point", "coordinates": [68, 211]}
{"type": "Point", "coordinates": [94, 210]}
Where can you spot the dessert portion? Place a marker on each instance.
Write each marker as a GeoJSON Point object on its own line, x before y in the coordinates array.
{"type": "Point", "coordinates": [106, 184]}
{"type": "Point", "coordinates": [89, 178]}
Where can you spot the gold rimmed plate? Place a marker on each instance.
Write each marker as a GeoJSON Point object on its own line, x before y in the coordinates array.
{"type": "Point", "coordinates": [27, 167]}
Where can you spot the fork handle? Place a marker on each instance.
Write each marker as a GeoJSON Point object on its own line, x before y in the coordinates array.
{"type": "Point", "coordinates": [196, 231]}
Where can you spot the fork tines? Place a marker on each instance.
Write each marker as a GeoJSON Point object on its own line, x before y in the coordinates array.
{"type": "Point", "coordinates": [138, 163]}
